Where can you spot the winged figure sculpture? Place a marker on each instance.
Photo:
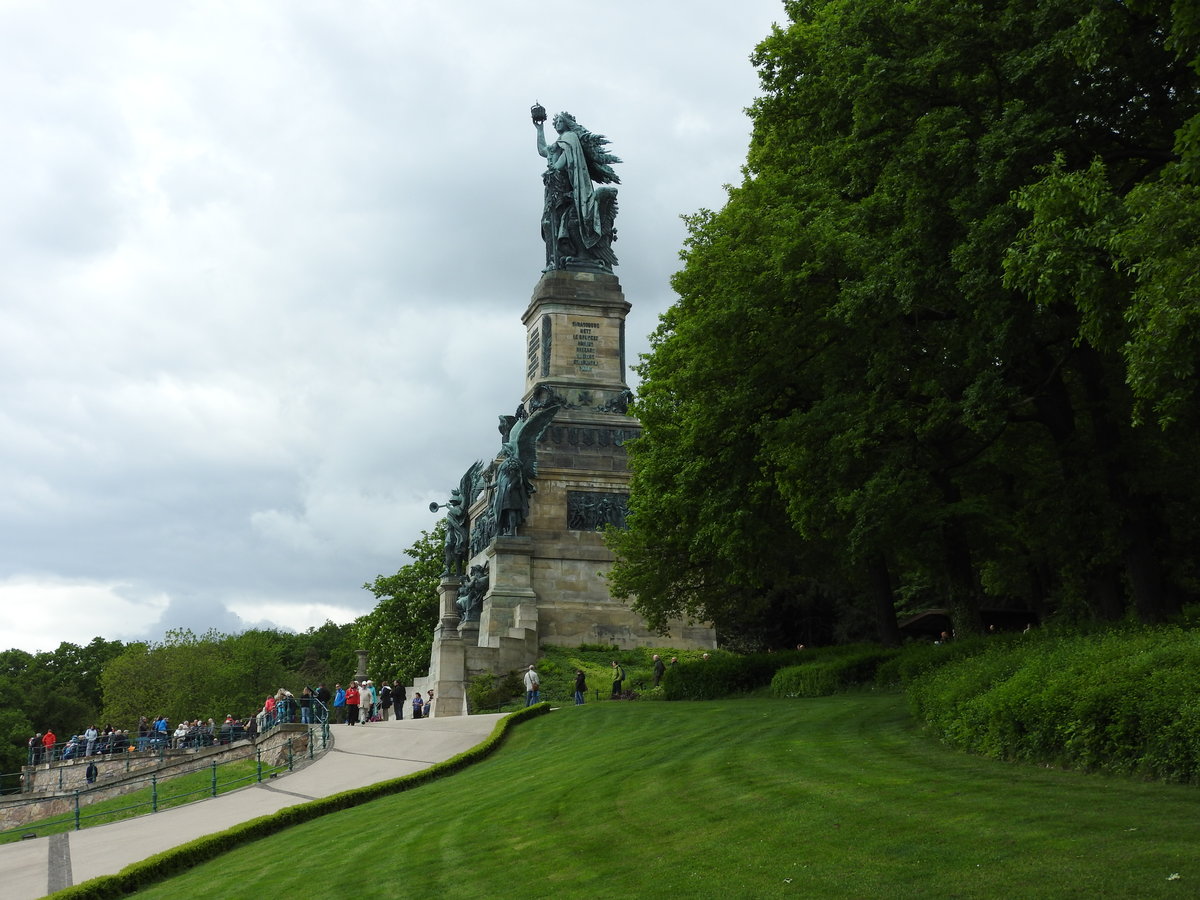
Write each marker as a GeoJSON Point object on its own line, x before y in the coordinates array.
{"type": "Point", "coordinates": [516, 470]}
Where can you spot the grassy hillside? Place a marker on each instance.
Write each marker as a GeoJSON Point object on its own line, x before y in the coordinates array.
{"type": "Point", "coordinates": [829, 797]}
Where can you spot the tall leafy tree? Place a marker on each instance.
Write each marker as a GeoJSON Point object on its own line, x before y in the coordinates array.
{"type": "Point", "coordinates": [849, 347]}
{"type": "Point", "coordinates": [398, 633]}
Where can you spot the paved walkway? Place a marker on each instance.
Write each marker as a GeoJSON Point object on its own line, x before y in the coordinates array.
{"type": "Point", "coordinates": [360, 756]}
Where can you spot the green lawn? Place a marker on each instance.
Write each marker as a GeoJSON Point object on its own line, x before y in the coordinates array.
{"type": "Point", "coordinates": [836, 797]}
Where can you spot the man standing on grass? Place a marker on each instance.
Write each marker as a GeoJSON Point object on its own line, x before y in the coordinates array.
{"type": "Point", "coordinates": [660, 669]}
{"type": "Point", "coordinates": [533, 686]}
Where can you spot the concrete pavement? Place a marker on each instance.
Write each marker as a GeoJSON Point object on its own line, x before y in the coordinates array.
{"type": "Point", "coordinates": [360, 756]}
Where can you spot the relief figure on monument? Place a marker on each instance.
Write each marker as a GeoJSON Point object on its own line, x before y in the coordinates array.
{"type": "Point", "coordinates": [578, 219]}
{"type": "Point", "coordinates": [593, 510]}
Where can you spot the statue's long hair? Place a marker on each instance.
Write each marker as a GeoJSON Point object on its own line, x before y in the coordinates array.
{"type": "Point", "coordinates": [600, 161]}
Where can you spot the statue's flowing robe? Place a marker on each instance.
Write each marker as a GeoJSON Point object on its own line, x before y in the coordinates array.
{"type": "Point", "coordinates": [511, 495]}
{"type": "Point", "coordinates": [583, 194]}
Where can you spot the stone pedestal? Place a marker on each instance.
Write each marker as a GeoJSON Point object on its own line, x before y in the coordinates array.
{"type": "Point", "coordinates": [575, 336]}
{"type": "Point", "coordinates": [510, 605]}
{"type": "Point", "coordinates": [448, 606]}
{"type": "Point", "coordinates": [547, 583]}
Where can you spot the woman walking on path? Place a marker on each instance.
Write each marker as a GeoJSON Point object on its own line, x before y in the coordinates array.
{"type": "Point", "coordinates": [352, 704]}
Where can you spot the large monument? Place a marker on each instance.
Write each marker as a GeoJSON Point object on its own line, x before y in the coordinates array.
{"type": "Point", "coordinates": [525, 556]}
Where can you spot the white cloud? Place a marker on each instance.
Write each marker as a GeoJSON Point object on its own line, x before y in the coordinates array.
{"type": "Point", "coordinates": [40, 613]}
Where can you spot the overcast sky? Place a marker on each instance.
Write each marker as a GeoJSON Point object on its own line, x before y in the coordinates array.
{"type": "Point", "coordinates": [262, 271]}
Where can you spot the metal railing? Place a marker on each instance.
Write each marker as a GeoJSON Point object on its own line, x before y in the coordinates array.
{"type": "Point", "coordinates": [154, 796]}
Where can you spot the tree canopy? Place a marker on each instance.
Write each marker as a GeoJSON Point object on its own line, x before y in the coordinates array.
{"type": "Point", "coordinates": [939, 346]}
{"type": "Point", "coordinates": [398, 633]}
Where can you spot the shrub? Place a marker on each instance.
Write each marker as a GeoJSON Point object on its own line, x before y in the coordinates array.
{"type": "Point", "coordinates": [836, 671]}
{"type": "Point", "coordinates": [918, 658]}
{"type": "Point", "coordinates": [1123, 702]}
{"type": "Point", "coordinates": [818, 680]}
{"type": "Point", "coordinates": [724, 674]}
{"type": "Point", "coordinates": [488, 691]}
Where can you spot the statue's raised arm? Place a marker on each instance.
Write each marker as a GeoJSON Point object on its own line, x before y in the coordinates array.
{"type": "Point", "coordinates": [578, 219]}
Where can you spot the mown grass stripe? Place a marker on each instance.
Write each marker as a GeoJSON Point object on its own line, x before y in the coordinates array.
{"type": "Point", "coordinates": [836, 797]}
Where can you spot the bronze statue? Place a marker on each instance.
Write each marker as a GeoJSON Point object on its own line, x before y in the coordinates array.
{"type": "Point", "coordinates": [516, 470]}
{"type": "Point", "coordinates": [470, 595]}
{"type": "Point", "coordinates": [577, 218]}
{"type": "Point", "coordinates": [458, 525]}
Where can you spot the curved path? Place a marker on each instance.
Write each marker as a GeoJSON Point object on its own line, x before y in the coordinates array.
{"type": "Point", "coordinates": [360, 756]}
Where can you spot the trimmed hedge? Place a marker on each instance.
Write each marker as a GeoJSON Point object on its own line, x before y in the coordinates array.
{"type": "Point", "coordinates": [834, 673]}
{"type": "Point", "coordinates": [918, 658]}
{"type": "Point", "coordinates": [1124, 702]}
{"type": "Point", "coordinates": [171, 862]}
{"type": "Point", "coordinates": [724, 674]}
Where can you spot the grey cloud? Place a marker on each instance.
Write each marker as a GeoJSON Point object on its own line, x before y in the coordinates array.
{"type": "Point", "coordinates": [267, 269]}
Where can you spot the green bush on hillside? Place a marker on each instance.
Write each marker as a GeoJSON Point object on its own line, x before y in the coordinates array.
{"type": "Point", "coordinates": [1123, 702]}
{"type": "Point", "coordinates": [838, 671]}
{"type": "Point", "coordinates": [922, 656]}
{"type": "Point", "coordinates": [488, 691]}
{"type": "Point", "coordinates": [724, 674]}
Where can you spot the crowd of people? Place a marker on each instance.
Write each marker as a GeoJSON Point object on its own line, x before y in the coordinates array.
{"type": "Point", "coordinates": [156, 734]}
{"type": "Point", "coordinates": [360, 703]}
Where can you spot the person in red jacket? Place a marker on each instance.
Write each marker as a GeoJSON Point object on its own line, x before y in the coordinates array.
{"type": "Point", "coordinates": [352, 696]}
{"type": "Point", "coordinates": [269, 711]}
{"type": "Point", "coordinates": [48, 742]}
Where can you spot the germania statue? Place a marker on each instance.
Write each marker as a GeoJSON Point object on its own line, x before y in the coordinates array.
{"type": "Point", "coordinates": [577, 218]}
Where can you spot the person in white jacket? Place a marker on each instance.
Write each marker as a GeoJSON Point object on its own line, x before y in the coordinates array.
{"type": "Point", "coordinates": [533, 686]}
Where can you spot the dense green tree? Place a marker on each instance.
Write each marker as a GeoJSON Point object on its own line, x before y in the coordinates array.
{"type": "Point", "coordinates": [213, 675]}
{"type": "Point", "coordinates": [184, 676]}
{"type": "Point", "coordinates": [890, 367]}
{"type": "Point", "coordinates": [398, 633]}
{"type": "Point", "coordinates": [322, 655]}
{"type": "Point", "coordinates": [15, 732]}
{"type": "Point", "coordinates": [76, 669]}
{"type": "Point", "coordinates": [59, 690]}
{"type": "Point", "coordinates": [252, 668]}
